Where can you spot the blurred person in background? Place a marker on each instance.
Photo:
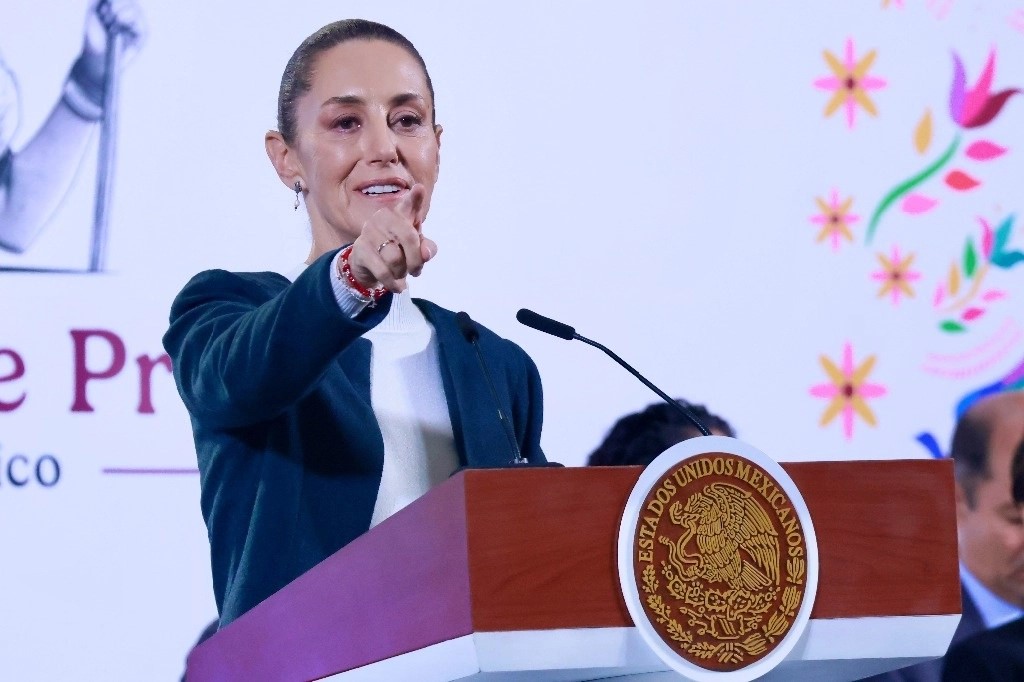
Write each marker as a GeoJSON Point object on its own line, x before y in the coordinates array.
{"type": "Point", "coordinates": [996, 654]}
{"type": "Point", "coordinates": [990, 532]}
{"type": "Point", "coordinates": [638, 438]}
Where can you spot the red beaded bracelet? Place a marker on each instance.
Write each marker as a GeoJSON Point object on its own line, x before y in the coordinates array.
{"type": "Point", "coordinates": [368, 296]}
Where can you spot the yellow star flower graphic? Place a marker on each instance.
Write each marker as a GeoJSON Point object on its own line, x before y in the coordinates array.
{"type": "Point", "coordinates": [835, 219]}
{"type": "Point", "coordinates": [848, 390]}
{"type": "Point", "coordinates": [850, 83]}
{"type": "Point", "coordinates": [895, 275]}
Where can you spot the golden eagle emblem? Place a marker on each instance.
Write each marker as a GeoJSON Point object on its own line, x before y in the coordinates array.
{"type": "Point", "coordinates": [720, 560]}
{"type": "Point", "coordinates": [736, 543]}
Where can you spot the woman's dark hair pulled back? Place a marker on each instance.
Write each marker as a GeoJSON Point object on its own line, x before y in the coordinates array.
{"type": "Point", "coordinates": [298, 72]}
{"type": "Point", "coordinates": [638, 438]}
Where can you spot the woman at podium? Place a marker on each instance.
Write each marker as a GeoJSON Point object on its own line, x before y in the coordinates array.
{"type": "Point", "coordinates": [324, 401]}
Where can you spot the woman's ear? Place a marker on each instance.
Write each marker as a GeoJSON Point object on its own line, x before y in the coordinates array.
{"type": "Point", "coordinates": [437, 136]}
{"type": "Point", "coordinates": [284, 159]}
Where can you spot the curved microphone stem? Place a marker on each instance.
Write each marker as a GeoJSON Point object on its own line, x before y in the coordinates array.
{"type": "Point", "coordinates": [681, 408]}
{"type": "Point", "coordinates": [564, 331]}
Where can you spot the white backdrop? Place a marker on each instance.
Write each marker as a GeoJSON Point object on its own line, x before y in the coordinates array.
{"type": "Point", "coordinates": [647, 174]}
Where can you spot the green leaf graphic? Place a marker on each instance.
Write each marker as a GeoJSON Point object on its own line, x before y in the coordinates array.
{"type": "Point", "coordinates": [907, 185]}
{"type": "Point", "coordinates": [970, 259]}
{"type": "Point", "coordinates": [952, 327]}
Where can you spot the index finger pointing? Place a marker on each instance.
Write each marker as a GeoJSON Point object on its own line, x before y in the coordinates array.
{"type": "Point", "coordinates": [414, 204]}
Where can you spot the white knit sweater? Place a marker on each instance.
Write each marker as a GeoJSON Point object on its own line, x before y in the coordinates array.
{"type": "Point", "coordinates": [408, 400]}
{"type": "Point", "coordinates": [407, 396]}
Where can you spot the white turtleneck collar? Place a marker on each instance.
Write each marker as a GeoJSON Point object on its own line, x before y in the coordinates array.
{"type": "Point", "coordinates": [407, 396]}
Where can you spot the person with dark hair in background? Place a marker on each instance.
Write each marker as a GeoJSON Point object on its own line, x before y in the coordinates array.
{"type": "Point", "coordinates": [996, 654]}
{"type": "Point", "coordinates": [35, 179]}
{"type": "Point", "coordinates": [990, 531]}
{"type": "Point", "coordinates": [324, 401]}
{"type": "Point", "coordinates": [638, 438]}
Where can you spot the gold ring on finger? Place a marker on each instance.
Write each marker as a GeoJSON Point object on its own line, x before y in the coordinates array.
{"type": "Point", "coordinates": [384, 244]}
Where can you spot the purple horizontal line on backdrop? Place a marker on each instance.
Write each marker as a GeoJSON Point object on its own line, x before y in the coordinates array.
{"type": "Point", "coordinates": [115, 470]}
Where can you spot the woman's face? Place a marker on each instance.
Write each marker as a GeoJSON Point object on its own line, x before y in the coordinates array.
{"type": "Point", "coordinates": [364, 136]}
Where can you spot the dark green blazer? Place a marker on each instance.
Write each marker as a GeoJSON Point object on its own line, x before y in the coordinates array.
{"type": "Point", "coordinates": [276, 380]}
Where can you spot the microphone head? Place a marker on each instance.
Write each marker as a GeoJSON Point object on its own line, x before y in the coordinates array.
{"type": "Point", "coordinates": [467, 326]}
{"type": "Point", "coordinates": [545, 324]}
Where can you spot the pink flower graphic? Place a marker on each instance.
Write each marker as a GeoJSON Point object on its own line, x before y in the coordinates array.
{"type": "Point", "coordinates": [850, 83]}
{"type": "Point", "coordinates": [848, 391]}
{"type": "Point", "coordinates": [896, 275]}
{"type": "Point", "coordinates": [975, 107]}
{"type": "Point", "coordinates": [835, 219]}
{"type": "Point", "coordinates": [969, 109]}
{"type": "Point", "coordinates": [967, 285]}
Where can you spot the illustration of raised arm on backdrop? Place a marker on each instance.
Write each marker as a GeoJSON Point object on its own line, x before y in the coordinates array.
{"type": "Point", "coordinates": [34, 179]}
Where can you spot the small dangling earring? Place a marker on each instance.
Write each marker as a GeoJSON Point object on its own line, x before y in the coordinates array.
{"type": "Point", "coordinates": [298, 189]}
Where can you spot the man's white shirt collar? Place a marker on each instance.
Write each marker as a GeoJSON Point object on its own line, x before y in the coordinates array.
{"type": "Point", "coordinates": [994, 611]}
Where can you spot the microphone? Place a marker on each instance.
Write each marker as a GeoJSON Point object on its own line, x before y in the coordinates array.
{"type": "Point", "coordinates": [564, 331]}
{"type": "Point", "coordinates": [545, 324]}
{"type": "Point", "coordinates": [472, 335]}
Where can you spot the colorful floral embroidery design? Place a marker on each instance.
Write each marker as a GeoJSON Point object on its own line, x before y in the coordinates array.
{"type": "Point", "coordinates": [835, 219]}
{"type": "Point", "coordinates": [965, 295]}
{"type": "Point", "coordinates": [979, 358]}
{"type": "Point", "coordinates": [850, 83]}
{"type": "Point", "coordinates": [969, 109]}
{"type": "Point", "coordinates": [895, 275]}
{"type": "Point", "coordinates": [848, 390]}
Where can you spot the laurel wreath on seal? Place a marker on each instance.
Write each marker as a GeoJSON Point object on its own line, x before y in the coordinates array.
{"type": "Point", "coordinates": [728, 652]}
{"type": "Point", "coordinates": [795, 569]}
{"type": "Point", "coordinates": [662, 610]}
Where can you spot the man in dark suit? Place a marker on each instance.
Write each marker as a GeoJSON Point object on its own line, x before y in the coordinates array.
{"type": "Point", "coordinates": [989, 526]}
{"type": "Point", "coordinates": [996, 654]}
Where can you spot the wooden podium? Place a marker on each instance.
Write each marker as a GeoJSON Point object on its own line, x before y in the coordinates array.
{"type": "Point", "coordinates": [511, 575]}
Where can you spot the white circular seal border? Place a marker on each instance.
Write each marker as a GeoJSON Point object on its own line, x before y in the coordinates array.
{"type": "Point", "coordinates": [662, 464]}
